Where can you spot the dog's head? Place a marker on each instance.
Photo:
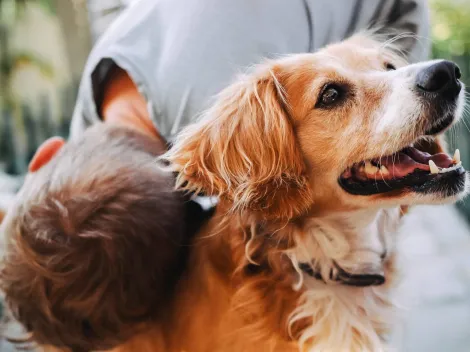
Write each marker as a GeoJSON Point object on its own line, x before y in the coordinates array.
{"type": "Point", "coordinates": [348, 127]}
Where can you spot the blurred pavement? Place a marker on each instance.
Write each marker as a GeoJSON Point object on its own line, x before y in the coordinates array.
{"type": "Point", "coordinates": [435, 242]}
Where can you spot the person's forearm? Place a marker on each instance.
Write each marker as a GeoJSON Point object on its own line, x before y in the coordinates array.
{"type": "Point", "coordinates": [123, 104]}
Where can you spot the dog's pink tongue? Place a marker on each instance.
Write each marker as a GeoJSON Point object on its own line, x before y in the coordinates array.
{"type": "Point", "coordinates": [440, 159]}
{"type": "Point", "coordinates": [411, 159]}
{"type": "Point", "coordinates": [400, 164]}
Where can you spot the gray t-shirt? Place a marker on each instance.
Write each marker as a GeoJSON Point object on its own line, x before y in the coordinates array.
{"type": "Point", "coordinates": [180, 53]}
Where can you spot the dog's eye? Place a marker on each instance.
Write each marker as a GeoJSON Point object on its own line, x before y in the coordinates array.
{"type": "Point", "coordinates": [390, 67]}
{"type": "Point", "coordinates": [330, 94]}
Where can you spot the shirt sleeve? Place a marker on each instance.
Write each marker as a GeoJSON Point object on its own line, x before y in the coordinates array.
{"type": "Point", "coordinates": [132, 43]}
{"type": "Point", "coordinates": [90, 96]}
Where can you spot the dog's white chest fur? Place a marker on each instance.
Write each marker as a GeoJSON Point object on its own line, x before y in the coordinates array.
{"type": "Point", "coordinates": [345, 318]}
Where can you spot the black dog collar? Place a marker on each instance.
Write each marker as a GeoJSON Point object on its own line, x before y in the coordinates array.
{"type": "Point", "coordinates": [345, 278]}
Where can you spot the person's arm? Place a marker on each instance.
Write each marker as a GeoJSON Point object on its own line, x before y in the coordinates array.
{"type": "Point", "coordinates": [124, 105]}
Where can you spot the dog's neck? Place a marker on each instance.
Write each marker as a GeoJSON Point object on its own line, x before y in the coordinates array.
{"type": "Point", "coordinates": [243, 283]}
{"type": "Point", "coordinates": [359, 242]}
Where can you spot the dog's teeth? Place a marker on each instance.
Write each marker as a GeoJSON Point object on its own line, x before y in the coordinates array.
{"type": "Point", "coordinates": [456, 156]}
{"type": "Point", "coordinates": [384, 170]}
{"type": "Point", "coordinates": [370, 169]}
{"type": "Point", "coordinates": [433, 167]}
{"type": "Point", "coordinates": [455, 167]}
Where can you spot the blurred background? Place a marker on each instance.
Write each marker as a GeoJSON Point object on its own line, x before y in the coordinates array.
{"type": "Point", "coordinates": [43, 48]}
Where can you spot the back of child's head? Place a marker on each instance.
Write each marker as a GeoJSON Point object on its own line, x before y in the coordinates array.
{"type": "Point", "coordinates": [91, 243]}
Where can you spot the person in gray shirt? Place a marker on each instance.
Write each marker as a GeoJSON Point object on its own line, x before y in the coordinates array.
{"type": "Point", "coordinates": [176, 54]}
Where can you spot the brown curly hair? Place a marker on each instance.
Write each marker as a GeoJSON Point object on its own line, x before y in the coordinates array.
{"type": "Point", "coordinates": [93, 242]}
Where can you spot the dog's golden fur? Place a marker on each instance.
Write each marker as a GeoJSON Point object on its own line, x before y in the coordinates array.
{"type": "Point", "coordinates": [273, 160]}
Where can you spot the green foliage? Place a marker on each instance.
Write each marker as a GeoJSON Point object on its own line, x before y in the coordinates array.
{"type": "Point", "coordinates": [451, 40]}
{"type": "Point", "coordinates": [451, 32]}
{"type": "Point", "coordinates": [11, 8]}
{"type": "Point", "coordinates": [451, 26]}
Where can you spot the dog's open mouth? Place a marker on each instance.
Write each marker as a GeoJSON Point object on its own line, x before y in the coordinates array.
{"type": "Point", "coordinates": [411, 169]}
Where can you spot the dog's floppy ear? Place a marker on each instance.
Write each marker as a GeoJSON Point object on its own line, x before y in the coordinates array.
{"type": "Point", "coordinates": [244, 149]}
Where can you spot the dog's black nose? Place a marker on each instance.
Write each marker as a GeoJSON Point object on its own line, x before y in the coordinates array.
{"type": "Point", "coordinates": [440, 77]}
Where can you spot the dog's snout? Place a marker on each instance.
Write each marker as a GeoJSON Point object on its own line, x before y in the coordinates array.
{"type": "Point", "coordinates": [440, 77]}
